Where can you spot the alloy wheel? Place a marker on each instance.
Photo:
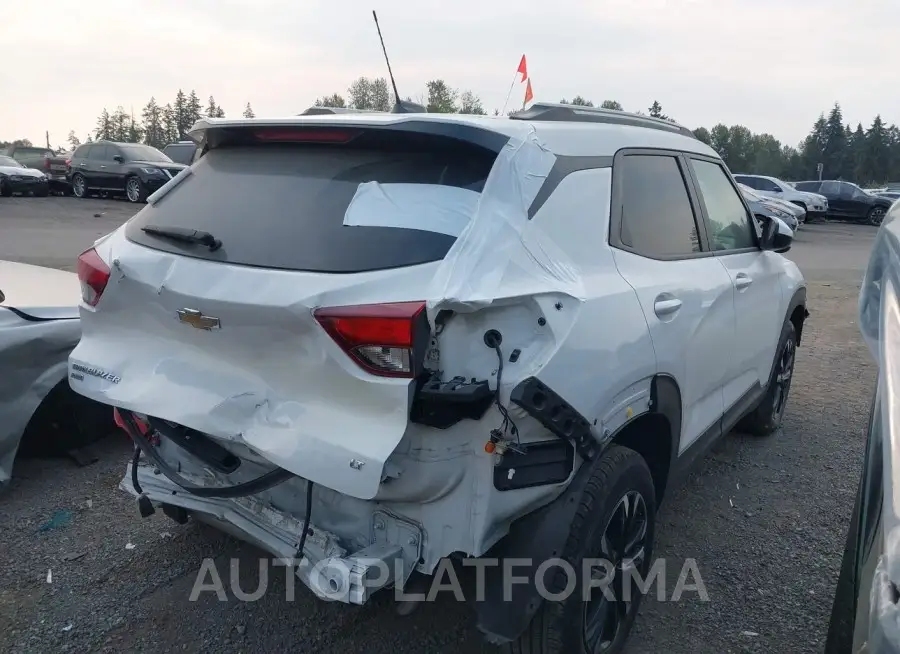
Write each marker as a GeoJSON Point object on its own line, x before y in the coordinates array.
{"type": "Point", "coordinates": [133, 189]}
{"type": "Point", "coordinates": [624, 547]}
{"type": "Point", "coordinates": [78, 186]}
{"type": "Point", "coordinates": [783, 374]}
{"type": "Point", "coordinates": [877, 216]}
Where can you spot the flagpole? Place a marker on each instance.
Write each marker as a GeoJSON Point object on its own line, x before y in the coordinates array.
{"type": "Point", "coordinates": [509, 93]}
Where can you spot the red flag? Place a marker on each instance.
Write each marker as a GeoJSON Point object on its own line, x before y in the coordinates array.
{"type": "Point", "coordinates": [523, 68]}
{"type": "Point", "coordinates": [529, 95]}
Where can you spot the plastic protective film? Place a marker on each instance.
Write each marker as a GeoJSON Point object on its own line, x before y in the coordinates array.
{"type": "Point", "coordinates": [33, 358]}
{"type": "Point", "coordinates": [501, 253]}
{"type": "Point", "coordinates": [879, 319]}
{"type": "Point", "coordinates": [428, 207]}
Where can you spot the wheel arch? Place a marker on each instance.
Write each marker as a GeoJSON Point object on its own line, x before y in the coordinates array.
{"type": "Point", "coordinates": [504, 611]}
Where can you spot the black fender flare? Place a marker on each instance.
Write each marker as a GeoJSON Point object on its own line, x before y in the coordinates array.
{"type": "Point", "coordinates": [504, 610]}
{"type": "Point", "coordinates": [798, 299]}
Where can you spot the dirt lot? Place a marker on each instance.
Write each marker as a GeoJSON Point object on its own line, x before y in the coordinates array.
{"type": "Point", "coordinates": [764, 519]}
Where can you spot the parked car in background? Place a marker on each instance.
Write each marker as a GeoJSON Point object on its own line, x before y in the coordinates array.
{"type": "Point", "coordinates": [39, 326]}
{"type": "Point", "coordinates": [16, 178]}
{"type": "Point", "coordinates": [816, 205]}
{"type": "Point", "coordinates": [43, 159]}
{"type": "Point", "coordinates": [865, 613]}
{"type": "Point", "coordinates": [763, 207]}
{"type": "Point", "coordinates": [848, 201]}
{"type": "Point", "coordinates": [181, 152]}
{"type": "Point", "coordinates": [132, 169]}
{"type": "Point", "coordinates": [276, 296]}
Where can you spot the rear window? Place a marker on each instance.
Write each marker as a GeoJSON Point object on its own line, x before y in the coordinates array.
{"type": "Point", "coordinates": [284, 205]}
{"type": "Point", "coordinates": [182, 153]}
{"type": "Point", "coordinates": [32, 152]}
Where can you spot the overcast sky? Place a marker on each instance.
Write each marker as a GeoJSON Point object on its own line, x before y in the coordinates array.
{"type": "Point", "coordinates": [772, 65]}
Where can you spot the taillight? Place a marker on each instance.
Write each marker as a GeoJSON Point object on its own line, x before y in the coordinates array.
{"type": "Point", "coordinates": [388, 340]}
{"type": "Point", "coordinates": [304, 135]}
{"type": "Point", "coordinates": [68, 162]}
{"type": "Point", "coordinates": [93, 273]}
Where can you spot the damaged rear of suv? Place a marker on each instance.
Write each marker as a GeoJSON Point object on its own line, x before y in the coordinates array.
{"type": "Point", "coordinates": [370, 343]}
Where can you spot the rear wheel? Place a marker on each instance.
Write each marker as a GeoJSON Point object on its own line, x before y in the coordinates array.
{"type": "Point", "coordinates": [876, 216]}
{"type": "Point", "coordinates": [79, 186]}
{"type": "Point", "coordinates": [135, 190]}
{"type": "Point", "coordinates": [615, 522]}
{"type": "Point", "coordinates": [767, 417]}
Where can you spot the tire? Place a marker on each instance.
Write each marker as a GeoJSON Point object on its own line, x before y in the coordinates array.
{"type": "Point", "coordinates": [79, 186]}
{"type": "Point", "coordinates": [42, 192]}
{"type": "Point", "coordinates": [135, 190]}
{"type": "Point", "coordinates": [768, 415]}
{"type": "Point", "coordinates": [5, 188]}
{"type": "Point", "coordinates": [559, 627]}
{"type": "Point", "coordinates": [876, 216]}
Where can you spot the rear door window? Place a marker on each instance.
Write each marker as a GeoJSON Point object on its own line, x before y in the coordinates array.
{"type": "Point", "coordinates": [831, 189]}
{"type": "Point", "coordinates": [285, 205]}
{"type": "Point", "coordinates": [808, 187]}
{"type": "Point", "coordinates": [99, 153]}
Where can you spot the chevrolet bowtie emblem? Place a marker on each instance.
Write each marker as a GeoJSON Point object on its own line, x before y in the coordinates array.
{"type": "Point", "coordinates": [197, 320]}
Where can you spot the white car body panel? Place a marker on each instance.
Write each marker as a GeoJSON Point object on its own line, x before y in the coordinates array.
{"type": "Point", "coordinates": [24, 172]}
{"type": "Point", "coordinates": [273, 387]}
{"type": "Point", "coordinates": [813, 201]}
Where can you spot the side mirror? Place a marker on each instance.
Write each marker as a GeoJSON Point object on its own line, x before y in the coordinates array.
{"type": "Point", "coordinates": [776, 235]}
{"type": "Point", "coordinates": [118, 157]}
{"type": "Point", "coordinates": [776, 190]}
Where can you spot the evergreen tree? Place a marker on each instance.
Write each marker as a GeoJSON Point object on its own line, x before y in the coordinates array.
{"type": "Point", "coordinates": [104, 126]}
{"type": "Point", "coordinates": [248, 112]}
{"type": "Point", "coordinates": [155, 129]}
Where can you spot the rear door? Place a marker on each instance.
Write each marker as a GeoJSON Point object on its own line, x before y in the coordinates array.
{"type": "Point", "coordinates": [96, 166]}
{"type": "Point", "coordinates": [115, 171]}
{"type": "Point", "coordinates": [755, 274]}
{"type": "Point", "coordinates": [686, 295]}
{"type": "Point", "coordinates": [837, 204]}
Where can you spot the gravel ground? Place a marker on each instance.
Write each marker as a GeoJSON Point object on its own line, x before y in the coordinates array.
{"type": "Point", "coordinates": [764, 519]}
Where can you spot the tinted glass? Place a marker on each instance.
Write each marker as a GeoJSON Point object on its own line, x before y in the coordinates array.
{"type": "Point", "coordinates": [180, 153]}
{"type": "Point", "coordinates": [9, 161]}
{"type": "Point", "coordinates": [730, 227]}
{"type": "Point", "coordinates": [809, 187]}
{"type": "Point", "coordinates": [32, 152]}
{"type": "Point", "coordinates": [137, 152]}
{"type": "Point", "coordinates": [100, 152]}
{"type": "Point", "coordinates": [657, 218]}
{"type": "Point", "coordinates": [830, 189]}
{"type": "Point", "coordinates": [283, 206]}
{"type": "Point", "coordinates": [82, 151]}
{"type": "Point", "coordinates": [752, 182]}
{"type": "Point", "coordinates": [767, 185]}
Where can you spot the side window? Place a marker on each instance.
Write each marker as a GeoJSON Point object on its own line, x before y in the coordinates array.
{"type": "Point", "coordinates": [98, 153]}
{"type": "Point", "coordinates": [660, 223]}
{"type": "Point", "coordinates": [831, 189]}
{"type": "Point", "coordinates": [82, 152]}
{"type": "Point", "coordinates": [809, 187]}
{"type": "Point", "coordinates": [746, 181]}
{"type": "Point", "coordinates": [730, 226]}
{"type": "Point", "coordinates": [767, 185]}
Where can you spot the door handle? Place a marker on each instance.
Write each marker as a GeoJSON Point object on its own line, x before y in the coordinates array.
{"type": "Point", "coordinates": [742, 281]}
{"type": "Point", "coordinates": [103, 166]}
{"type": "Point", "coordinates": [666, 306]}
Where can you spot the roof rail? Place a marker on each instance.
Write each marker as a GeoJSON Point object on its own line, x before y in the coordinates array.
{"type": "Point", "coordinates": [550, 111]}
{"type": "Point", "coordinates": [321, 111]}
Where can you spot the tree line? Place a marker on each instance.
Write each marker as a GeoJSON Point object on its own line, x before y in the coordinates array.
{"type": "Point", "coordinates": [864, 154]}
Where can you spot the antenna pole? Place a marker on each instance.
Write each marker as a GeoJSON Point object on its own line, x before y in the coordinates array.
{"type": "Point", "coordinates": [386, 60]}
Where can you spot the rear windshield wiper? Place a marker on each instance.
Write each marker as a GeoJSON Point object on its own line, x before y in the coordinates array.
{"type": "Point", "coordinates": [184, 235]}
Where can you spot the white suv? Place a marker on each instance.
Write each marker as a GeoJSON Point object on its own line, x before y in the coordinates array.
{"type": "Point", "coordinates": [816, 205]}
{"type": "Point", "coordinates": [373, 344]}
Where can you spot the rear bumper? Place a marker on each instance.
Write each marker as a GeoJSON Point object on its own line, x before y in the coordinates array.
{"type": "Point", "coordinates": [327, 568]}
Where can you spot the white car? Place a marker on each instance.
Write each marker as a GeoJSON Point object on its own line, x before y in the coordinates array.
{"type": "Point", "coordinates": [38, 328]}
{"type": "Point", "coordinates": [772, 208]}
{"type": "Point", "coordinates": [816, 205]}
{"type": "Point", "coordinates": [372, 342]}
